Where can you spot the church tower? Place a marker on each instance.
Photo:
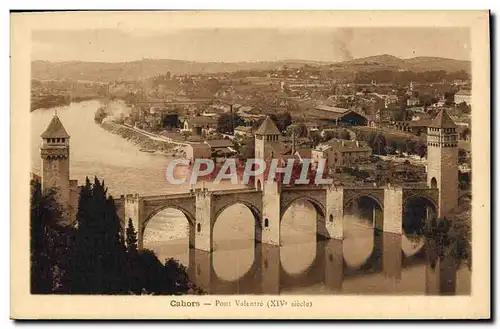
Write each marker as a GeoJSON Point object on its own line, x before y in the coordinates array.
{"type": "Point", "coordinates": [55, 160]}
{"type": "Point", "coordinates": [442, 161]}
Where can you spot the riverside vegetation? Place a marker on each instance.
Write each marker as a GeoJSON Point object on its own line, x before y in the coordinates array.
{"type": "Point", "coordinates": [93, 255]}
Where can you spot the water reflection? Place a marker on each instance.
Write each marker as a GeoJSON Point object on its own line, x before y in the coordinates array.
{"type": "Point", "coordinates": [367, 261]}
{"type": "Point", "coordinates": [387, 270]}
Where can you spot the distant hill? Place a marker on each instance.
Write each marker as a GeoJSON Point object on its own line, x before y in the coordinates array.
{"type": "Point", "coordinates": [416, 64]}
{"type": "Point", "coordinates": [104, 72]}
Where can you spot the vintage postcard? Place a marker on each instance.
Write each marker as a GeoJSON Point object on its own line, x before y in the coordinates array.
{"type": "Point", "coordinates": [250, 165]}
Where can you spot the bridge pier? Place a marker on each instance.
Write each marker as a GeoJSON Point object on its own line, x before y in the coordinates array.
{"type": "Point", "coordinates": [334, 212]}
{"type": "Point", "coordinates": [203, 237]}
{"type": "Point", "coordinates": [392, 255]}
{"type": "Point", "coordinates": [334, 265]}
{"type": "Point", "coordinates": [271, 214]}
{"type": "Point", "coordinates": [200, 268]}
{"type": "Point", "coordinates": [442, 279]}
{"type": "Point", "coordinates": [270, 269]}
{"type": "Point", "coordinates": [393, 210]}
{"type": "Point", "coordinates": [133, 209]}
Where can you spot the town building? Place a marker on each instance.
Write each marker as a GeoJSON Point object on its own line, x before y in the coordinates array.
{"type": "Point", "coordinates": [243, 131]}
{"type": "Point", "coordinates": [463, 95]}
{"type": "Point", "coordinates": [412, 101]}
{"type": "Point", "coordinates": [197, 151]}
{"type": "Point", "coordinates": [416, 127]}
{"type": "Point", "coordinates": [200, 125]}
{"type": "Point", "coordinates": [338, 116]}
{"type": "Point", "coordinates": [342, 153]}
{"type": "Point", "coordinates": [220, 148]}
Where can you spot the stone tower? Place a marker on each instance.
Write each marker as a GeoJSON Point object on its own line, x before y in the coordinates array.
{"type": "Point", "coordinates": [267, 146]}
{"type": "Point", "coordinates": [55, 160]}
{"type": "Point", "coordinates": [267, 140]}
{"type": "Point", "coordinates": [442, 161]}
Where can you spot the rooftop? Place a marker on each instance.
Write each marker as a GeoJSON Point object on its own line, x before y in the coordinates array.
{"type": "Point", "coordinates": [243, 128]}
{"type": "Point", "coordinates": [268, 128]}
{"type": "Point", "coordinates": [55, 129]}
{"type": "Point", "coordinates": [442, 120]}
{"type": "Point", "coordinates": [331, 109]}
{"type": "Point", "coordinates": [464, 92]}
{"type": "Point", "coordinates": [219, 143]}
{"type": "Point", "coordinates": [341, 144]}
{"type": "Point", "coordinates": [201, 120]}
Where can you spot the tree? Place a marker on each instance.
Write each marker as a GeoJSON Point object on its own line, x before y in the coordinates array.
{"type": "Point", "coordinates": [186, 134]}
{"type": "Point", "coordinates": [410, 147]}
{"type": "Point", "coordinates": [450, 236]}
{"type": "Point", "coordinates": [378, 145]}
{"type": "Point", "coordinates": [389, 149]}
{"type": "Point", "coordinates": [449, 97]}
{"type": "Point", "coordinates": [227, 122]}
{"type": "Point", "coordinates": [465, 133]}
{"type": "Point", "coordinates": [45, 214]}
{"type": "Point", "coordinates": [329, 134]}
{"type": "Point", "coordinates": [316, 139]}
{"type": "Point", "coordinates": [421, 149]}
{"type": "Point", "coordinates": [464, 108]}
{"type": "Point", "coordinates": [283, 120]}
{"type": "Point", "coordinates": [345, 135]}
{"type": "Point", "coordinates": [131, 237]}
{"type": "Point", "coordinates": [301, 130]}
{"type": "Point", "coordinates": [213, 86]}
{"type": "Point", "coordinates": [247, 150]}
{"type": "Point", "coordinates": [98, 259]}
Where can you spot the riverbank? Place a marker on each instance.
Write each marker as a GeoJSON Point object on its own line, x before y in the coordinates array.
{"type": "Point", "coordinates": [146, 143]}
{"type": "Point", "coordinates": [50, 101]}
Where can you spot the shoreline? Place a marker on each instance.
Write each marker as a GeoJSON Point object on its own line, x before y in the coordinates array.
{"type": "Point", "coordinates": [146, 143]}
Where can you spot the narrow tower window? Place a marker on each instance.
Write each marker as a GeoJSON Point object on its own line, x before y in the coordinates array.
{"type": "Point", "coordinates": [433, 182]}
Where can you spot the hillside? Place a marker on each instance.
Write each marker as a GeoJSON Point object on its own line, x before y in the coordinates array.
{"type": "Point", "coordinates": [104, 72]}
{"type": "Point", "coordinates": [416, 64]}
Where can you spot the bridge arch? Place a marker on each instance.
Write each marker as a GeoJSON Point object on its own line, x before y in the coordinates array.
{"type": "Point", "coordinates": [189, 216]}
{"type": "Point", "coordinates": [318, 224]}
{"type": "Point", "coordinates": [364, 204]}
{"type": "Point", "coordinates": [254, 209]}
{"type": "Point", "coordinates": [417, 210]}
{"type": "Point", "coordinates": [317, 205]}
{"type": "Point", "coordinates": [348, 201]}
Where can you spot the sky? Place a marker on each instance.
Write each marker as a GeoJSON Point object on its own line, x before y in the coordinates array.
{"type": "Point", "coordinates": [245, 44]}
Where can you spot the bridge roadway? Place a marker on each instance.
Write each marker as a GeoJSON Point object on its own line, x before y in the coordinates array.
{"type": "Point", "coordinates": [202, 208]}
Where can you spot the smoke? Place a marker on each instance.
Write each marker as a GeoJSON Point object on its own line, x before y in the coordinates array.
{"type": "Point", "coordinates": [342, 39]}
{"type": "Point", "coordinates": [113, 110]}
{"type": "Point", "coordinates": [118, 108]}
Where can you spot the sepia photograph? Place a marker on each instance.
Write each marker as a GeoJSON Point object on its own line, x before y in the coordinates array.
{"type": "Point", "coordinates": [250, 166]}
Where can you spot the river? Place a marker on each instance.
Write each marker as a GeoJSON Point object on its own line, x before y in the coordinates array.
{"type": "Point", "coordinates": [95, 151]}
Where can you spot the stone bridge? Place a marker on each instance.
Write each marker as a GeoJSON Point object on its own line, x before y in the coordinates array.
{"type": "Point", "coordinates": [268, 206]}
